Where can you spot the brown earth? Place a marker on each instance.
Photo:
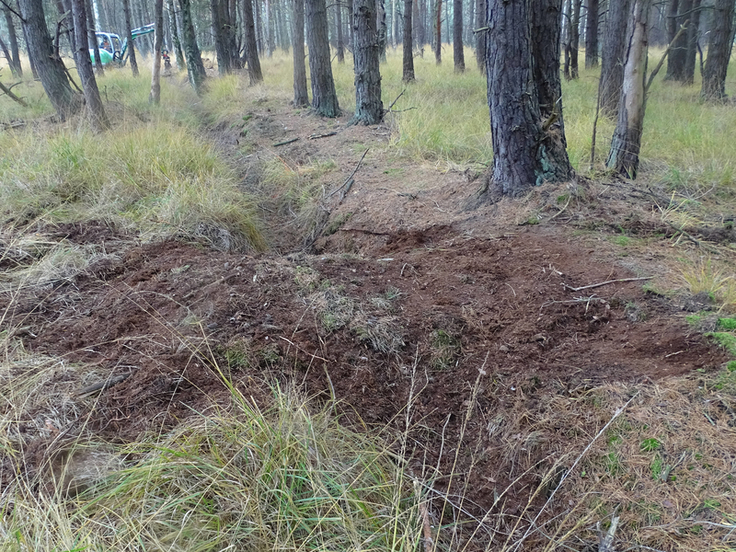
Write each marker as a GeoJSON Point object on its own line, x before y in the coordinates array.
{"type": "Point", "coordinates": [406, 302]}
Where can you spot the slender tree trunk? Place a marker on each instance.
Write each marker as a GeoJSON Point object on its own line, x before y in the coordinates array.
{"type": "Point", "coordinates": [568, 36]}
{"type": "Point", "coordinates": [368, 104]}
{"type": "Point", "coordinates": [677, 56]}
{"type": "Point", "coordinates": [218, 32]}
{"type": "Point", "coordinates": [719, 52]}
{"type": "Point", "coordinates": [382, 29]}
{"type": "Point", "coordinates": [84, 68]}
{"type": "Point", "coordinates": [693, 33]}
{"type": "Point", "coordinates": [438, 32]}
{"type": "Point", "coordinates": [92, 38]}
{"type": "Point", "coordinates": [251, 45]}
{"type": "Point", "coordinates": [480, 36]}
{"type": "Point", "coordinates": [457, 37]}
{"type": "Point", "coordinates": [340, 40]}
{"type": "Point", "coordinates": [614, 53]}
{"type": "Point", "coordinates": [324, 97]}
{"type": "Point", "coordinates": [258, 26]}
{"type": "Point", "coordinates": [14, 59]}
{"type": "Point", "coordinates": [626, 142]}
{"type": "Point", "coordinates": [525, 147]}
{"type": "Point", "coordinates": [155, 95]}
{"type": "Point", "coordinates": [408, 59]}
{"type": "Point", "coordinates": [195, 67]}
{"type": "Point", "coordinates": [301, 97]}
{"type": "Point", "coordinates": [50, 67]}
{"type": "Point", "coordinates": [591, 35]}
{"type": "Point", "coordinates": [418, 26]}
{"type": "Point", "coordinates": [173, 23]}
{"type": "Point", "coordinates": [575, 39]}
{"type": "Point", "coordinates": [129, 37]}
{"type": "Point", "coordinates": [268, 32]}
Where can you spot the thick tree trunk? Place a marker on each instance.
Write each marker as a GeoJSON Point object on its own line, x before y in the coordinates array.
{"type": "Point", "coordinates": [457, 37]}
{"type": "Point", "coordinates": [50, 67]}
{"type": "Point", "coordinates": [438, 32]}
{"type": "Point", "coordinates": [591, 35]}
{"type": "Point", "coordinates": [195, 67]}
{"type": "Point", "coordinates": [526, 148]}
{"type": "Point", "coordinates": [480, 36]}
{"type": "Point", "coordinates": [250, 53]}
{"type": "Point", "coordinates": [155, 95]}
{"type": "Point", "coordinates": [14, 59]}
{"type": "Point", "coordinates": [575, 39]}
{"type": "Point", "coordinates": [693, 34]}
{"type": "Point", "coordinates": [340, 40]}
{"type": "Point", "coordinates": [129, 37]}
{"type": "Point", "coordinates": [218, 33]}
{"type": "Point", "coordinates": [368, 105]}
{"type": "Point", "coordinates": [677, 57]}
{"type": "Point", "coordinates": [84, 67]}
{"type": "Point", "coordinates": [614, 53]}
{"type": "Point", "coordinates": [324, 97]}
{"type": "Point", "coordinates": [408, 65]}
{"type": "Point", "coordinates": [301, 97]}
{"type": "Point", "coordinates": [626, 142]}
{"type": "Point", "coordinates": [719, 51]}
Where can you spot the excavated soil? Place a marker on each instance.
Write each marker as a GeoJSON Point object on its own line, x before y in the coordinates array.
{"type": "Point", "coordinates": [411, 303]}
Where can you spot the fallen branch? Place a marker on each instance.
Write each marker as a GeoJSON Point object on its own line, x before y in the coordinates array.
{"type": "Point", "coordinates": [606, 283]}
{"type": "Point", "coordinates": [285, 142]}
{"type": "Point", "coordinates": [12, 96]}
{"type": "Point", "coordinates": [653, 74]}
{"type": "Point", "coordinates": [349, 180]}
{"type": "Point", "coordinates": [102, 385]}
{"type": "Point", "coordinates": [318, 136]}
{"type": "Point", "coordinates": [393, 103]}
{"type": "Point", "coordinates": [691, 238]}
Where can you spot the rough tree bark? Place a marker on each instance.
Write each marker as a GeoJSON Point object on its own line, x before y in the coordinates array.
{"type": "Point", "coordinates": [158, 24]}
{"type": "Point", "coordinates": [591, 35]}
{"type": "Point", "coordinates": [612, 60]}
{"type": "Point", "coordinates": [324, 97]}
{"type": "Point", "coordinates": [129, 37]}
{"type": "Point", "coordinates": [250, 54]}
{"type": "Point", "coordinates": [368, 105]}
{"type": "Point", "coordinates": [626, 142]}
{"type": "Point", "coordinates": [418, 26]}
{"type": "Point", "coordinates": [92, 40]}
{"type": "Point", "coordinates": [382, 29]}
{"type": "Point", "coordinates": [14, 59]}
{"type": "Point", "coordinates": [408, 58]}
{"type": "Point", "coordinates": [545, 37]}
{"type": "Point", "coordinates": [719, 51]}
{"type": "Point", "coordinates": [340, 40]}
{"type": "Point", "coordinates": [50, 67]}
{"type": "Point", "coordinates": [693, 34]}
{"type": "Point", "coordinates": [84, 68]}
{"type": "Point", "coordinates": [527, 149]}
{"type": "Point", "coordinates": [457, 37]}
{"type": "Point", "coordinates": [677, 57]}
{"type": "Point", "coordinates": [574, 44]}
{"type": "Point", "coordinates": [195, 67]}
{"type": "Point", "coordinates": [173, 24]}
{"type": "Point", "coordinates": [438, 32]}
{"type": "Point", "coordinates": [218, 33]}
{"type": "Point", "coordinates": [301, 97]}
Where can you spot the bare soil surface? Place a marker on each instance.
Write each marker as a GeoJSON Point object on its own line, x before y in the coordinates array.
{"type": "Point", "coordinates": [405, 305]}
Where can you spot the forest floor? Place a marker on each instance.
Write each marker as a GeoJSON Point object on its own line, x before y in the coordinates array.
{"type": "Point", "coordinates": [498, 337]}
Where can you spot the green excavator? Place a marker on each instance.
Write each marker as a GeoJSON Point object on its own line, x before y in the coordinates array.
{"type": "Point", "coordinates": [112, 49]}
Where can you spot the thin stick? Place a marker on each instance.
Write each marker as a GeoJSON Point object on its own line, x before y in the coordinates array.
{"type": "Point", "coordinates": [317, 136]}
{"type": "Point", "coordinates": [653, 74]}
{"type": "Point", "coordinates": [285, 142]}
{"type": "Point", "coordinates": [349, 178]}
{"type": "Point", "coordinates": [12, 96]}
{"type": "Point", "coordinates": [393, 103]}
{"type": "Point", "coordinates": [606, 283]}
{"type": "Point", "coordinates": [692, 239]}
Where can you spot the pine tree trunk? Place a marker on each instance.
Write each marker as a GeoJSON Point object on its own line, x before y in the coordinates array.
{"type": "Point", "coordinates": [480, 36]}
{"type": "Point", "coordinates": [438, 32]}
{"type": "Point", "coordinates": [457, 37]}
{"type": "Point", "coordinates": [301, 97]}
{"type": "Point", "coordinates": [14, 59]}
{"type": "Point", "coordinates": [545, 38]}
{"type": "Point", "coordinates": [84, 68]}
{"type": "Point", "coordinates": [218, 33]}
{"type": "Point", "coordinates": [195, 67]}
{"type": "Point", "coordinates": [324, 97]}
{"type": "Point", "coordinates": [129, 37]}
{"type": "Point", "coordinates": [340, 40]}
{"type": "Point", "coordinates": [155, 95]}
{"type": "Point", "coordinates": [575, 39]}
{"type": "Point", "coordinates": [250, 53]}
{"type": "Point", "coordinates": [368, 105]}
{"type": "Point", "coordinates": [408, 58]}
{"type": "Point", "coordinates": [693, 33]}
{"type": "Point", "coordinates": [525, 147]}
{"type": "Point", "coordinates": [614, 52]}
{"type": "Point", "coordinates": [382, 29]}
{"type": "Point", "coordinates": [173, 23]}
{"type": "Point", "coordinates": [677, 57]}
{"type": "Point", "coordinates": [626, 142]}
{"type": "Point", "coordinates": [719, 52]}
{"type": "Point", "coordinates": [591, 35]}
{"type": "Point", "coordinates": [92, 40]}
{"type": "Point", "coordinates": [50, 67]}
{"type": "Point", "coordinates": [418, 26]}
